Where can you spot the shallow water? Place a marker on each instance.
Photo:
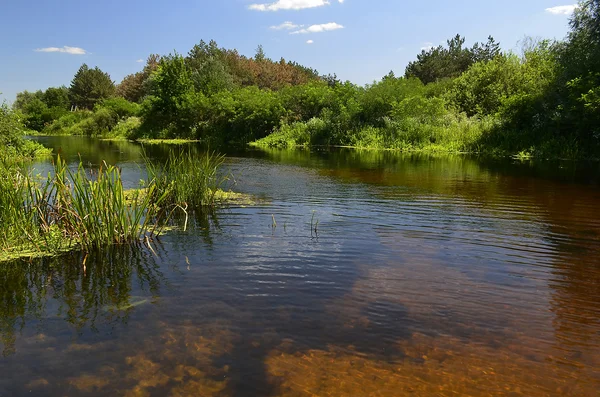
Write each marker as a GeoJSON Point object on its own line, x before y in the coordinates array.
{"type": "Point", "coordinates": [424, 276]}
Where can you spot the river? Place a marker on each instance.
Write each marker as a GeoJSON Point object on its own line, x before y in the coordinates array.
{"type": "Point", "coordinates": [352, 273]}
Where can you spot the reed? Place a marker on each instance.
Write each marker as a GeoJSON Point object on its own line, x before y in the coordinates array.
{"type": "Point", "coordinates": [89, 209]}
{"type": "Point", "coordinates": [93, 209]}
{"type": "Point", "coordinates": [188, 180]}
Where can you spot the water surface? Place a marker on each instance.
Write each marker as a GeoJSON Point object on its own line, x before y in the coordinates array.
{"type": "Point", "coordinates": [386, 275]}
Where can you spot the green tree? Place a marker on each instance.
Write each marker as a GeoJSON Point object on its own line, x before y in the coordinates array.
{"type": "Point", "coordinates": [25, 97]}
{"type": "Point", "coordinates": [441, 62]}
{"type": "Point", "coordinates": [210, 73]}
{"type": "Point", "coordinates": [580, 80]}
{"type": "Point", "coordinates": [260, 55]}
{"type": "Point", "coordinates": [174, 107]}
{"type": "Point", "coordinates": [57, 98]}
{"type": "Point", "coordinates": [89, 86]}
{"type": "Point", "coordinates": [11, 128]}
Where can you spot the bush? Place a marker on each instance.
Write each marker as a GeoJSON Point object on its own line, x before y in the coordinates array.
{"type": "Point", "coordinates": [12, 143]}
{"type": "Point", "coordinates": [120, 106]}
{"type": "Point", "coordinates": [127, 128]}
{"type": "Point", "coordinates": [66, 122]}
{"type": "Point", "coordinates": [296, 134]}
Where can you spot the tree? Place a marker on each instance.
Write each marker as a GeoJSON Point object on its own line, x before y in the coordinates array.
{"type": "Point", "coordinates": [209, 71]}
{"type": "Point", "coordinates": [439, 63]}
{"type": "Point", "coordinates": [57, 98]}
{"type": "Point", "coordinates": [174, 105]}
{"type": "Point", "coordinates": [260, 54]}
{"type": "Point", "coordinates": [89, 86]}
{"type": "Point", "coordinates": [25, 97]}
{"type": "Point", "coordinates": [580, 80]}
{"type": "Point", "coordinates": [331, 80]}
{"type": "Point", "coordinates": [134, 87]}
{"type": "Point", "coordinates": [11, 128]}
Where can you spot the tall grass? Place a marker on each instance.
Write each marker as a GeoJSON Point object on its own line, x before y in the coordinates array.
{"type": "Point", "coordinates": [188, 179]}
{"type": "Point", "coordinates": [14, 221]}
{"type": "Point", "coordinates": [93, 208]}
{"type": "Point", "coordinates": [89, 209]}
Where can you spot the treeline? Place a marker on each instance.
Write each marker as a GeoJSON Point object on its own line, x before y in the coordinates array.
{"type": "Point", "coordinates": [544, 101]}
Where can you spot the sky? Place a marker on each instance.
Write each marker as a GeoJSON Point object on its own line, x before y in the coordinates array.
{"type": "Point", "coordinates": [45, 42]}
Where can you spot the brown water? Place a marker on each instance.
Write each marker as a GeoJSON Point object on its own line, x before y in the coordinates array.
{"type": "Point", "coordinates": [425, 276]}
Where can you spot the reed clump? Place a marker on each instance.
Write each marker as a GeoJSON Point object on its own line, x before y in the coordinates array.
{"type": "Point", "coordinates": [79, 208]}
{"type": "Point", "coordinates": [187, 179]}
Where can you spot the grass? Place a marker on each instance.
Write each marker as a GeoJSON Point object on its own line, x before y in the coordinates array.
{"type": "Point", "coordinates": [166, 141]}
{"type": "Point", "coordinates": [77, 208]}
{"type": "Point", "coordinates": [188, 180]}
{"type": "Point", "coordinates": [73, 208]}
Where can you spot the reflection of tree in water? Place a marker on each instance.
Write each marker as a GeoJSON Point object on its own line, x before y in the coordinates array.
{"type": "Point", "coordinates": [575, 230]}
{"type": "Point", "coordinates": [82, 293]}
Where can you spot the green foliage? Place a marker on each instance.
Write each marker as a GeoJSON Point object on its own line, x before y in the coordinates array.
{"type": "Point", "coordinates": [580, 78]}
{"type": "Point", "coordinates": [210, 73]}
{"type": "Point", "coordinates": [42, 108]}
{"type": "Point", "coordinates": [453, 98]}
{"type": "Point", "coordinates": [90, 86]}
{"type": "Point", "coordinates": [101, 122]}
{"type": "Point", "coordinates": [64, 124]}
{"type": "Point", "coordinates": [296, 134]}
{"type": "Point", "coordinates": [12, 143]}
{"type": "Point", "coordinates": [483, 88]}
{"type": "Point", "coordinates": [377, 101]}
{"type": "Point", "coordinates": [34, 112]}
{"type": "Point", "coordinates": [120, 106]}
{"type": "Point", "coordinates": [440, 62]}
{"type": "Point", "coordinates": [127, 128]}
{"type": "Point", "coordinates": [57, 98]}
{"type": "Point", "coordinates": [304, 102]}
{"type": "Point", "coordinates": [173, 107]}
{"type": "Point", "coordinates": [244, 115]}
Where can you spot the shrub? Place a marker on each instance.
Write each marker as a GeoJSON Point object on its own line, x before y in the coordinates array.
{"type": "Point", "coordinates": [120, 106]}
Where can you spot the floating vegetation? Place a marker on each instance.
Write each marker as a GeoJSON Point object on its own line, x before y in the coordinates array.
{"type": "Point", "coordinates": [167, 141]}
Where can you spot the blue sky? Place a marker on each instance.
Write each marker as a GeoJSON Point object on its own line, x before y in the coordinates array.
{"type": "Point", "coordinates": [44, 42]}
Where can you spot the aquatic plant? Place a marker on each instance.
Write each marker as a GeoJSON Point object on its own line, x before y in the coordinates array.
{"type": "Point", "coordinates": [186, 179]}
{"type": "Point", "coordinates": [88, 209]}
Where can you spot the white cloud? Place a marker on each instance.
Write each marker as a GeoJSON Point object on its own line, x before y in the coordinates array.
{"type": "Point", "coordinates": [140, 61]}
{"type": "Point", "coordinates": [562, 10]}
{"type": "Point", "coordinates": [325, 27]}
{"type": "Point", "coordinates": [427, 46]}
{"type": "Point", "coordinates": [286, 26]}
{"type": "Point", "coordinates": [290, 5]}
{"type": "Point", "coordinates": [309, 42]}
{"type": "Point", "coordinates": [65, 49]}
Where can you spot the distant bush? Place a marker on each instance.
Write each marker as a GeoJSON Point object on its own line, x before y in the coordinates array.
{"type": "Point", "coordinates": [127, 128]}
{"type": "Point", "coordinates": [120, 106]}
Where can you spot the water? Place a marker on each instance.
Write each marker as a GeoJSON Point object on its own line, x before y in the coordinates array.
{"type": "Point", "coordinates": [424, 276]}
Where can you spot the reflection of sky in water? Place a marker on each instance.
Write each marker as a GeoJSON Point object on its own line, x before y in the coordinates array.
{"type": "Point", "coordinates": [441, 276]}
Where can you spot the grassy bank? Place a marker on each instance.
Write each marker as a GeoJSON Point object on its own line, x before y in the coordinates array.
{"type": "Point", "coordinates": [448, 134]}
